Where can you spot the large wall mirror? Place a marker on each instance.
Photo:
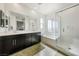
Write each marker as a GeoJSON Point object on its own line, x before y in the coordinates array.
{"type": "Point", "coordinates": [20, 22]}
{"type": "Point", "coordinates": [4, 21]}
{"type": "Point", "coordinates": [17, 21]}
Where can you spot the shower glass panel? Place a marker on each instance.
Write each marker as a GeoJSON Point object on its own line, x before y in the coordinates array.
{"type": "Point", "coordinates": [69, 30]}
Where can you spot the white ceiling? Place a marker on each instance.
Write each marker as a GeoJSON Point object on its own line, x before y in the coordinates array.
{"type": "Point", "coordinates": [46, 8]}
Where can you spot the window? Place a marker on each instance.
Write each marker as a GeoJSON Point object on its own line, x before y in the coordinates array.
{"type": "Point", "coordinates": [41, 23]}
{"type": "Point", "coordinates": [49, 25]}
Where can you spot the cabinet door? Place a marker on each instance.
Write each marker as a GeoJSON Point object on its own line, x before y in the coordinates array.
{"type": "Point", "coordinates": [8, 44]}
{"type": "Point", "coordinates": [28, 40]}
{"type": "Point", "coordinates": [35, 37]}
{"type": "Point", "coordinates": [1, 47]}
{"type": "Point", "coordinates": [20, 40]}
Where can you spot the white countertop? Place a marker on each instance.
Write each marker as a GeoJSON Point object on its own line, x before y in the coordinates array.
{"type": "Point", "coordinates": [15, 33]}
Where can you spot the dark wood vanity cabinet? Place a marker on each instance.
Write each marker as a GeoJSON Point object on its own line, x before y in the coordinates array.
{"type": "Point", "coordinates": [14, 43]}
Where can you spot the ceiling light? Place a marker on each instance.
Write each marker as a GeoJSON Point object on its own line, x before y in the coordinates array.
{"type": "Point", "coordinates": [39, 3]}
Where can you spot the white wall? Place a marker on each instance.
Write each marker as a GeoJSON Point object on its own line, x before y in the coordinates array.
{"type": "Point", "coordinates": [1, 6]}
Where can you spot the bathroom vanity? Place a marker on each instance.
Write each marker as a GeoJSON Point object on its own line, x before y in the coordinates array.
{"type": "Point", "coordinates": [12, 43]}
{"type": "Point", "coordinates": [18, 35]}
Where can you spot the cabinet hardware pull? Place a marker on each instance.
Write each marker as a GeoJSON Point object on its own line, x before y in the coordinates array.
{"type": "Point", "coordinates": [13, 42]}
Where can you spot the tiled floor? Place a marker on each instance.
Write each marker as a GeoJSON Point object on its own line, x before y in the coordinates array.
{"type": "Point", "coordinates": [38, 50]}
{"type": "Point", "coordinates": [47, 51]}
{"type": "Point", "coordinates": [30, 51]}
